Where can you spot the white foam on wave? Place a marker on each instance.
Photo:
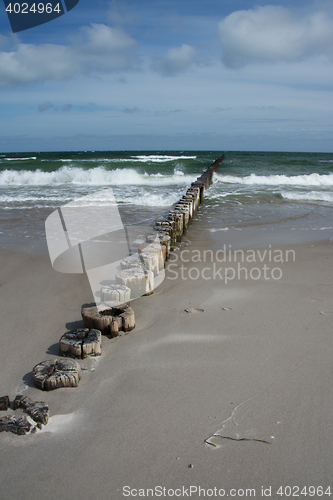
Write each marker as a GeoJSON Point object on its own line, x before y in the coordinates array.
{"type": "Point", "coordinates": [21, 159]}
{"type": "Point", "coordinates": [150, 200]}
{"type": "Point", "coordinates": [215, 230]}
{"type": "Point", "coordinates": [160, 158]}
{"type": "Point", "coordinates": [91, 160]}
{"type": "Point", "coordinates": [279, 180]}
{"type": "Point", "coordinates": [154, 200]}
{"type": "Point", "coordinates": [29, 207]}
{"type": "Point", "coordinates": [33, 199]}
{"type": "Point", "coordinates": [310, 196]}
{"type": "Point", "coordinates": [138, 158]}
{"type": "Point", "coordinates": [98, 176]}
{"type": "Point", "coordinates": [211, 195]}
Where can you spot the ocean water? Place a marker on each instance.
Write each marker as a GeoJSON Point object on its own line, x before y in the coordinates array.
{"type": "Point", "coordinates": [289, 190]}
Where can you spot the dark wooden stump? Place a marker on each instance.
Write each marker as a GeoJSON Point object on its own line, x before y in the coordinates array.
{"type": "Point", "coordinates": [109, 321]}
{"type": "Point", "coordinates": [38, 410]}
{"type": "Point", "coordinates": [81, 343]}
{"type": "Point", "coordinates": [4, 403]}
{"type": "Point", "coordinates": [50, 375]}
{"type": "Point", "coordinates": [19, 426]}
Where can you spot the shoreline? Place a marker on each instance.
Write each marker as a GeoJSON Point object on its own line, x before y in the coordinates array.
{"type": "Point", "coordinates": [248, 236]}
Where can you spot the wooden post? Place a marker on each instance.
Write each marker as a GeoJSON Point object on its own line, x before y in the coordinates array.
{"type": "Point", "coordinates": [110, 320]}
{"type": "Point", "coordinates": [156, 249]}
{"type": "Point", "coordinates": [19, 426]}
{"type": "Point", "coordinates": [50, 375]}
{"type": "Point", "coordinates": [38, 410]}
{"type": "Point", "coordinates": [139, 280]}
{"type": "Point", "coordinates": [178, 219]}
{"type": "Point", "coordinates": [145, 260]}
{"type": "Point", "coordinates": [81, 343]}
{"type": "Point", "coordinates": [189, 201]}
{"type": "Point", "coordinates": [117, 294]}
{"type": "Point", "coordinates": [185, 213]}
{"type": "Point", "coordinates": [163, 238]}
{"type": "Point", "coordinates": [199, 184]}
{"type": "Point", "coordinates": [4, 403]}
{"type": "Point", "coordinates": [168, 227]}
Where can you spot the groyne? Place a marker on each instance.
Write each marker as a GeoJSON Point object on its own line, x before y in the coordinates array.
{"type": "Point", "coordinates": [170, 230]}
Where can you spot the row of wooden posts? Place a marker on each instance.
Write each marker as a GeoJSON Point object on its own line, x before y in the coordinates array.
{"type": "Point", "coordinates": [184, 210]}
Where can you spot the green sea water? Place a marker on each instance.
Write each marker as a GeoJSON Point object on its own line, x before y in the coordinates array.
{"type": "Point", "coordinates": [294, 189]}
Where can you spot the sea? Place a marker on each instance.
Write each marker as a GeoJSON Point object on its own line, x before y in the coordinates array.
{"type": "Point", "coordinates": [289, 193]}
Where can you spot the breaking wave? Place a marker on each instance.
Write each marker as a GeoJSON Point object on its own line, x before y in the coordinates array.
{"type": "Point", "coordinates": [310, 196]}
{"type": "Point", "coordinates": [98, 176]}
{"type": "Point", "coordinates": [279, 180]}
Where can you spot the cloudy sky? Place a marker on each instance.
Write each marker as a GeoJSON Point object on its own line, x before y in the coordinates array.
{"type": "Point", "coordinates": [171, 74]}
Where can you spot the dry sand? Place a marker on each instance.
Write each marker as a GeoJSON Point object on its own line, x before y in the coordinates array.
{"type": "Point", "coordinates": [251, 374]}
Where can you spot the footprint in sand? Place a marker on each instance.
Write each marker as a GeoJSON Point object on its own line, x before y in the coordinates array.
{"type": "Point", "coordinates": [193, 310]}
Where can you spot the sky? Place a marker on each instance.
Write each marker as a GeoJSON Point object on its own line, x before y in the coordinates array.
{"type": "Point", "coordinates": [226, 75]}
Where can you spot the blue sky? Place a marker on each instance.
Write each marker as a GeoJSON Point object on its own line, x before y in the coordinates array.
{"type": "Point", "coordinates": [185, 74]}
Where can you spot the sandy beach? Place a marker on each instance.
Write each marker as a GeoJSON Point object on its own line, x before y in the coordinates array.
{"type": "Point", "coordinates": [233, 395]}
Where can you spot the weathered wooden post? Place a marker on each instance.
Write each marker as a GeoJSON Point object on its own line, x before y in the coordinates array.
{"type": "Point", "coordinates": [178, 219]}
{"type": "Point", "coordinates": [81, 343]}
{"type": "Point", "coordinates": [53, 374]}
{"type": "Point", "coordinates": [148, 261]}
{"type": "Point", "coordinates": [118, 294]}
{"type": "Point", "coordinates": [38, 410]}
{"type": "Point", "coordinates": [185, 212]}
{"type": "Point", "coordinates": [156, 249]}
{"type": "Point", "coordinates": [167, 226]}
{"type": "Point", "coordinates": [139, 280]}
{"type": "Point", "coordinates": [163, 238]}
{"type": "Point", "coordinates": [189, 202]}
{"type": "Point", "coordinates": [111, 320]}
{"type": "Point", "coordinates": [194, 193]}
{"type": "Point", "coordinates": [201, 186]}
{"type": "Point", "coordinates": [4, 403]}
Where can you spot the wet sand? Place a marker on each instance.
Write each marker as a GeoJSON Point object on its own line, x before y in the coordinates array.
{"type": "Point", "coordinates": [237, 396]}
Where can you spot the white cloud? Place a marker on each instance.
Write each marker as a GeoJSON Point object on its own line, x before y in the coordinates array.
{"type": "Point", "coordinates": [274, 33]}
{"type": "Point", "coordinates": [176, 60]}
{"type": "Point", "coordinates": [99, 48]}
{"type": "Point", "coordinates": [103, 38]}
